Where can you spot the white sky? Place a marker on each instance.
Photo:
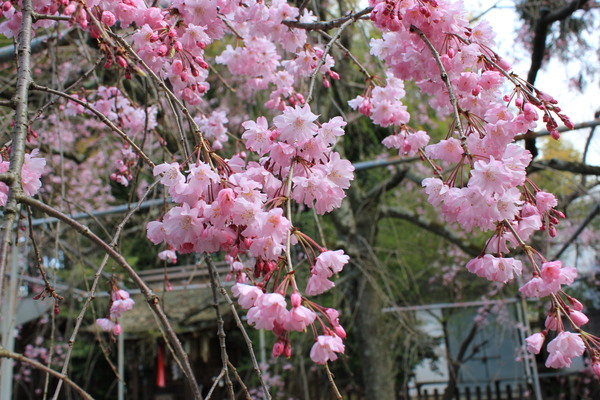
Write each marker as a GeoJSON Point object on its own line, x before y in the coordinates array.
{"type": "Point", "coordinates": [554, 76]}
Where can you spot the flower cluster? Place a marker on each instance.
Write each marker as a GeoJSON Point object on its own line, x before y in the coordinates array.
{"type": "Point", "coordinates": [121, 302]}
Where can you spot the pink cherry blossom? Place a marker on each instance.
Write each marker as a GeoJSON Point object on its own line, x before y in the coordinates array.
{"type": "Point", "coordinates": [325, 349]}
{"type": "Point", "coordinates": [535, 342]}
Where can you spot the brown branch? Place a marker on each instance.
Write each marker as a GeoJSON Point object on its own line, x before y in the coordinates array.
{"type": "Point", "coordinates": [151, 298]}
{"type": "Point", "coordinates": [37, 17]}
{"type": "Point", "coordinates": [592, 214]}
{"type": "Point", "coordinates": [21, 358]}
{"type": "Point", "coordinates": [349, 54]}
{"type": "Point", "coordinates": [214, 279]}
{"type": "Point", "coordinates": [433, 227]}
{"type": "Point", "coordinates": [562, 165]}
{"type": "Point", "coordinates": [326, 25]}
{"type": "Point", "coordinates": [247, 340]}
{"type": "Point", "coordinates": [545, 20]}
{"type": "Point", "coordinates": [313, 76]}
{"type": "Point", "coordinates": [19, 135]}
{"type": "Point", "coordinates": [90, 296]}
{"type": "Point", "coordinates": [581, 125]}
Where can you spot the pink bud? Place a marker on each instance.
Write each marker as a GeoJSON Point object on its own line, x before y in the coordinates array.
{"type": "Point", "coordinates": [69, 10]}
{"type": "Point", "coordinates": [576, 304]}
{"type": "Point", "coordinates": [326, 83]}
{"type": "Point", "coordinates": [203, 64]}
{"type": "Point", "coordinates": [340, 331]}
{"type": "Point", "coordinates": [278, 348]}
{"type": "Point", "coordinates": [6, 6]}
{"type": "Point", "coordinates": [451, 52]}
{"type": "Point", "coordinates": [287, 351]}
{"type": "Point", "coordinates": [108, 18]}
{"type": "Point", "coordinates": [550, 323]}
{"type": "Point", "coordinates": [596, 368]}
{"type": "Point", "coordinates": [121, 61]}
{"type": "Point", "coordinates": [117, 329]}
{"type": "Point", "coordinates": [296, 299]}
{"type": "Point", "coordinates": [535, 342]}
{"type": "Point", "coordinates": [334, 75]}
{"type": "Point", "coordinates": [555, 134]}
{"type": "Point", "coordinates": [476, 90]}
{"type": "Point", "coordinates": [552, 231]}
{"type": "Point", "coordinates": [177, 45]}
{"type": "Point", "coordinates": [579, 318]}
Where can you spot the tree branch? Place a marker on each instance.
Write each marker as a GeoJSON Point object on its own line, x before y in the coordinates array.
{"type": "Point", "coordinates": [433, 227]}
{"type": "Point", "coordinates": [21, 358]}
{"type": "Point", "coordinates": [19, 135]}
{"type": "Point", "coordinates": [562, 165]}
{"type": "Point", "coordinates": [151, 298]}
{"type": "Point", "coordinates": [582, 125]}
{"type": "Point", "coordinates": [326, 25]}
{"type": "Point", "coordinates": [545, 20]}
{"type": "Point", "coordinates": [592, 214]}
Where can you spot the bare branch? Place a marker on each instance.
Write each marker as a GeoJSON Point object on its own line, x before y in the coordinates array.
{"type": "Point", "coordinates": [581, 125]}
{"type": "Point", "coordinates": [21, 358]}
{"type": "Point", "coordinates": [19, 135]}
{"type": "Point", "coordinates": [313, 76]}
{"type": "Point", "coordinates": [326, 25]}
{"type": "Point", "coordinates": [151, 298]}
{"type": "Point", "coordinates": [592, 214]}
{"type": "Point", "coordinates": [562, 165]}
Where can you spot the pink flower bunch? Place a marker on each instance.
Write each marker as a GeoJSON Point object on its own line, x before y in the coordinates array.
{"type": "Point", "coordinates": [121, 302]}
{"type": "Point", "coordinates": [553, 275]}
{"type": "Point", "coordinates": [327, 263]}
{"type": "Point", "coordinates": [269, 311]}
{"type": "Point", "coordinates": [383, 104]}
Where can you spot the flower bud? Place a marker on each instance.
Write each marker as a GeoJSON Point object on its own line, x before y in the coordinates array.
{"type": "Point", "coordinates": [278, 348]}
{"type": "Point", "coordinates": [576, 304]}
{"type": "Point", "coordinates": [579, 318]}
{"type": "Point", "coordinates": [296, 299]}
{"type": "Point", "coordinates": [108, 18]}
{"type": "Point", "coordinates": [550, 323]}
{"type": "Point", "coordinates": [535, 342]}
{"type": "Point", "coordinates": [596, 368]}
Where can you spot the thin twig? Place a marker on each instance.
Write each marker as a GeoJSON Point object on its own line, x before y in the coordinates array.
{"type": "Point", "coordinates": [21, 358]}
{"type": "Point", "coordinates": [313, 76]}
{"type": "Point", "coordinates": [445, 78]}
{"type": "Point", "coordinates": [90, 297]}
{"type": "Point", "coordinates": [100, 116]}
{"type": "Point", "coordinates": [37, 17]}
{"type": "Point", "coordinates": [238, 378]}
{"type": "Point", "coordinates": [326, 25]}
{"type": "Point", "coordinates": [151, 298]}
{"type": "Point", "coordinates": [247, 339]}
{"type": "Point", "coordinates": [349, 54]}
{"type": "Point", "coordinates": [215, 383]}
{"type": "Point", "coordinates": [19, 135]}
{"type": "Point", "coordinates": [332, 383]}
{"type": "Point", "coordinates": [214, 283]}
{"type": "Point", "coordinates": [71, 87]}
